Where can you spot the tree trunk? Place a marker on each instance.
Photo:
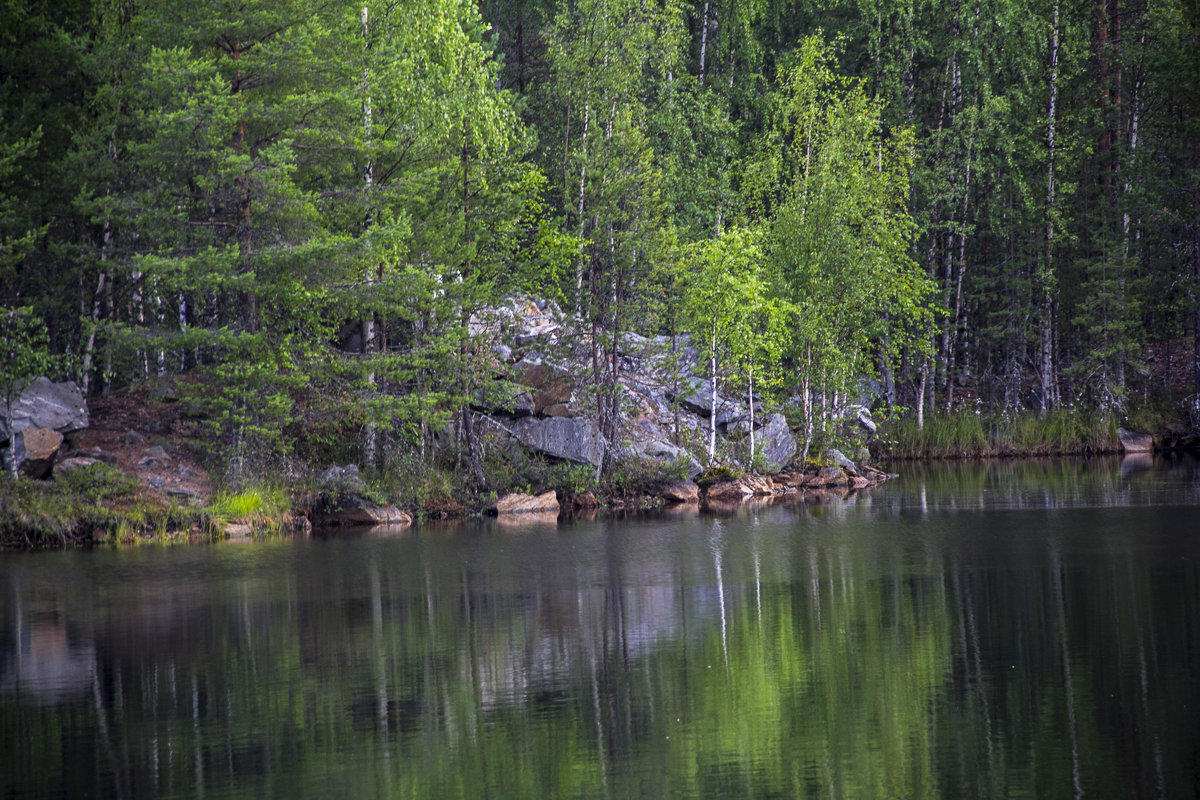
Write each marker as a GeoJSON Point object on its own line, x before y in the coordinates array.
{"type": "Point", "coordinates": [369, 434]}
{"type": "Point", "coordinates": [249, 310]}
{"type": "Point", "coordinates": [1048, 399]}
{"type": "Point", "coordinates": [587, 123]}
{"type": "Point", "coordinates": [712, 411]}
{"type": "Point", "coordinates": [751, 376]}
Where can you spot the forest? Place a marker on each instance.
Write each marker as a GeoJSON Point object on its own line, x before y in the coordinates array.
{"type": "Point", "coordinates": [304, 208]}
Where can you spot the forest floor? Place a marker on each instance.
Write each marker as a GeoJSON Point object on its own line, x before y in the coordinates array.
{"type": "Point", "coordinates": [125, 425]}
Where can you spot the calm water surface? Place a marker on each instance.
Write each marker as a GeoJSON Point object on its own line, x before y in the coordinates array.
{"type": "Point", "coordinates": [1017, 629]}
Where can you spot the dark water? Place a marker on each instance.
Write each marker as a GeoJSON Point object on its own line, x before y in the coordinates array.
{"type": "Point", "coordinates": [1005, 630]}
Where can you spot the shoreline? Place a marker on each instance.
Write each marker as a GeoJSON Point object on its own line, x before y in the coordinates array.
{"type": "Point", "coordinates": [115, 510]}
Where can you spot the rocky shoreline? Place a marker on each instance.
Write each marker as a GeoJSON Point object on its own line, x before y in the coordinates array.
{"type": "Point", "coordinates": [340, 506]}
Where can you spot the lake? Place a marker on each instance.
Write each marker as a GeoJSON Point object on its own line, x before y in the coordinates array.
{"type": "Point", "coordinates": [1000, 629]}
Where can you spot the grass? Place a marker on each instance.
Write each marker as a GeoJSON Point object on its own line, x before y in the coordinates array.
{"type": "Point", "coordinates": [103, 505]}
{"type": "Point", "coordinates": [968, 434]}
{"type": "Point", "coordinates": [96, 504]}
{"type": "Point", "coordinates": [264, 508]}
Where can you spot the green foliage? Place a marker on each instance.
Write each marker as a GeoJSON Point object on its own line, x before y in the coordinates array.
{"type": "Point", "coordinates": [309, 204]}
{"type": "Point", "coordinates": [717, 474]}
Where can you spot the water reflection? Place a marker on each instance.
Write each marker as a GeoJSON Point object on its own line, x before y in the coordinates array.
{"type": "Point", "coordinates": [1014, 629]}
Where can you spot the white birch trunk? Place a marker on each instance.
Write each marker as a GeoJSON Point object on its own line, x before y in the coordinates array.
{"type": "Point", "coordinates": [370, 443]}
{"type": "Point", "coordinates": [712, 399]}
{"type": "Point", "coordinates": [1047, 355]}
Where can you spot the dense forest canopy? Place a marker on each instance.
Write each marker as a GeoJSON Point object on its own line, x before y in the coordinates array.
{"type": "Point", "coordinates": [306, 202]}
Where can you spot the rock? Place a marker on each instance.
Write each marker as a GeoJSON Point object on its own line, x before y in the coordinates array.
{"type": "Point", "coordinates": [585, 500]}
{"type": "Point", "coordinates": [790, 479]}
{"type": "Point", "coordinates": [839, 458]}
{"type": "Point", "coordinates": [682, 492]}
{"type": "Point", "coordinates": [353, 510]}
{"type": "Point", "coordinates": [557, 410]}
{"type": "Point", "coordinates": [132, 437]}
{"type": "Point", "coordinates": [516, 503]}
{"type": "Point", "coordinates": [832, 476]}
{"type": "Point", "coordinates": [159, 427]}
{"type": "Point", "coordinates": [859, 482]}
{"type": "Point", "coordinates": [157, 452]}
{"type": "Point", "coordinates": [45, 404]}
{"type": "Point", "coordinates": [181, 493]}
{"type": "Point", "coordinates": [502, 352]}
{"type": "Point", "coordinates": [759, 485]}
{"type": "Point", "coordinates": [510, 397]}
{"type": "Point", "coordinates": [730, 414]}
{"type": "Point", "coordinates": [107, 458]}
{"type": "Point", "coordinates": [573, 439]}
{"type": "Point", "coordinates": [551, 386]}
{"type": "Point", "coordinates": [345, 476]}
{"type": "Point", "coordinates": [1132, 442]}
{"type": "Point", "coordinates": [237, 530]}
{"type": "Point", "coordinates": [71, 464]}
{"type": "Point", "coordinates": [778, 445]}
{"type": "Point", "coordinates": [157, 483]}
{"type": "Point", "coordinates": [865, 420]}
{"type": "Point", "coordinates": [377, 515]}
{"type": "Point", "coordinates": [728, 490]}
{"type": "Point", "coordinates": [146, 463]}
{"type": "Point", "coordinates": [163, 393]}
{"type": "Point", "coordinates": [697, 394]}
{"type": "Point", "coordinates": [667, 453]}
{"type": "Point", "coordinates": [36, 450]}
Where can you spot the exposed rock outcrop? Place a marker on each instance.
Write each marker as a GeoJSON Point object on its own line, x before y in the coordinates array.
{"type": "Point", "coordinates": [573, 439]}
{"type": "Point", "coordinates": [778, 442]}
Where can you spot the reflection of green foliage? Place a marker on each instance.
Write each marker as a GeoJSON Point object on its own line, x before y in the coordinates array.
{"type": "Point", "coordinates": [714, 659]}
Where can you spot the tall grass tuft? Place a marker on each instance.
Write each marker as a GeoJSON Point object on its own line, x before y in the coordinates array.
{"type": "Point", "coordinates": [263, 508]}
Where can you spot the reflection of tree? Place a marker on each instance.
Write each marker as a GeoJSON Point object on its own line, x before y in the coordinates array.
{"type": "Point", "coordinates": [764, 656]}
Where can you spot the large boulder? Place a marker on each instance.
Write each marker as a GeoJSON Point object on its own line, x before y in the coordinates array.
{"type": "Point", "coordinates": [834, 456]}
{"type": "Point", "coordinates": [573, 439]}
{"type": "Point", "coordinates": [729, 490]}
{"type": "Point", "coordinates": [778, 443]}
{"type": "Point", "coordinates": [682, 492]}
{"type": "Point", "coordinates": [517, 503]}
{"type": "Point", "coordinates": [362, 513]}
{"type": "Point", "coordinates": [1132, 442]}
{"type": "Point", "coordinates": [46, 404]}
{"type": "Point", "coordinates": [36, 449]}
